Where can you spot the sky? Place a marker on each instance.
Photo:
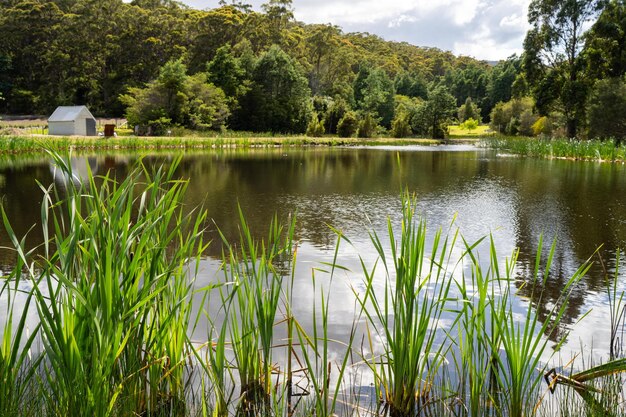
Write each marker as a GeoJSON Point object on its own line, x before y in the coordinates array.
{"type": "Point", "coordinates": [483, 29]}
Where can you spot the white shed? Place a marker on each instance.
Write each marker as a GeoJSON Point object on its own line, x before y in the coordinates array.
{"type": "Point", "coordinates": [72, 120]}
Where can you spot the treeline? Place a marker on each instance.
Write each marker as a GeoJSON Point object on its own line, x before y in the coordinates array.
{"type": "Point", "coordinates": [162, 64]}
{"type": "Point", "coordinates": [571, 82]}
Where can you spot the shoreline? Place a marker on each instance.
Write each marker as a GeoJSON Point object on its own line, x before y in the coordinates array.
{"type": "Point", "coordinates": [34, 144]}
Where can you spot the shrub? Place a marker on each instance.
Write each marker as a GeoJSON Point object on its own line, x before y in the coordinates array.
{"type": "Point", "coordinates": [400, 127]}
{"type": "Point", "coordinates": [469, 124]}
{"type": "Point", "coordinates": [315, 127]}
{"type": "Point", "coordinates": [348, 125]}
{"type": "Point", "coordinates": [367, 127]}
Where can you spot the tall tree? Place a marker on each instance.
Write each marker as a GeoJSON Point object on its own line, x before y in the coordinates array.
{"type": "Point", "coordinates": [552, 50]}
{"type": "Point", "coordinates": [323, 43]}
{"type": "Point", "coordinates": [377, 96]}
{"type": "Point", "coordinates": [605, 43]}
{"type": "Point", "coordinates": [217, 27]}
{"type": "Point", "coordinates": [411, 85]}
{"type": "Point", "coordinates": [279, 98]}
{"type": "Point", "coordinates": [433, 116]}
{"type": "Point", "coordinates": [279, 13]}
{"type": "Point", "coordinates": [607, 110]}
{"type": "Point", "coordinates": [501, 79]}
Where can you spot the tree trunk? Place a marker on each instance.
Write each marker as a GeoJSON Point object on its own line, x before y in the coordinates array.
{"type": "Point", "coordinates": [572, 124]}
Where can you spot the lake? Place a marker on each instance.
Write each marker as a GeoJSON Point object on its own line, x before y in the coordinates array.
{"type": "Point", "coordinates": [356, 190]}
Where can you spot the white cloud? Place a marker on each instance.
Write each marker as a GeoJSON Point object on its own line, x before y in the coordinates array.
{"type": "Point", "coordinates": [394, 23]}
{"type": "Point", "coordinates": [485, 29]}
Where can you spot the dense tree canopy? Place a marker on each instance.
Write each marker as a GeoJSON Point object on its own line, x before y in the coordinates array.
{"type": "Point", "coordinates": [552, 55]}
{"type": "Point", "coordinates": [272, 71]}
{"type": "Point", "coordinates": [176, 98]}
{"type": "Point", "coordinates": [278, 100]}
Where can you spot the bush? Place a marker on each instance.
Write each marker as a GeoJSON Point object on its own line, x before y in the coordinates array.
{"type": "Point", "coordinates": [367, 127]}
{"type": "Point", "coordinates": [315, 127]}
{"type": "Point", "coordinates": [348, 125]}
{"type": "Point", "coordinates": [514, 117]}
{"type": "Point", "coordinates": [526, 122]}
{"type": "Point", "coordinates": [542, 126]}
{"type": "Point", "coordinates": [400, 127]}
{"type": "Point", "coordinates": [469, 124]}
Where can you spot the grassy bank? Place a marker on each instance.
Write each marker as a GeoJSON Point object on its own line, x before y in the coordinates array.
{"type": "Point", "coordinates": [581, 150]}
{"type": "Point", "coordinates": [35, 144]}
{"type": "Point", "coordinates": [482, 131]}
{"type": "Point", "coordinates": [116, 300]}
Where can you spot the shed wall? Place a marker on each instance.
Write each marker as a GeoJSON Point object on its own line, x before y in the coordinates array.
{"type": "Point", "coordinates": [80, 126]}
{"type": "Point", "coordinates": [61, 128]}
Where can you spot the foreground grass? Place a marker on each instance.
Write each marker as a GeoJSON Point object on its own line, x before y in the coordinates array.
{"type": "Point", "coordinates": [35, 144]}
{"type": "Point", "coordinates": [580, 150]}
{"type": "Point", "coordinates": [114, 296]}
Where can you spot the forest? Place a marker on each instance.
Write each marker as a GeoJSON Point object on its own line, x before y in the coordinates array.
{"type": "Point", "coordinates": [162, 64]}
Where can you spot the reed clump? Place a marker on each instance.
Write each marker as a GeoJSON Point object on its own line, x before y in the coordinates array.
{"type": "Point", "coordinates": [115, 300]}
{"type": "Point", "coordinates": [560, 148]}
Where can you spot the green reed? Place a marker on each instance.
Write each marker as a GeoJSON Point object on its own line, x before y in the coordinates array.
{"type": "Point", "coordinates": [315, 344]}
{"type": "Point", "coordinates": [475, 335]}
{"type": "Point", "coordinates": [407, 314]}
{"type": "Point", "coordinates": [112, 293]}
{"type": "Point", "coordinates": [257, 270]}
{"type": "Point", "coordinates": [591, 150]}
{"type": "Point", "coordinates": [524, 343]}
{"type": "Point", "coordinates": [17, 368]}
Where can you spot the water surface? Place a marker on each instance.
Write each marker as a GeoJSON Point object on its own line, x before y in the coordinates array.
{"type": "Point", "coordinates": [356, 190]}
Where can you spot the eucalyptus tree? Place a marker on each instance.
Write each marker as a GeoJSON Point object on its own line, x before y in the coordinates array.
{"type": "Point", "coordinates": [552, 58]}
{"type": "Point", "coordinates": [605, 42]}
{"type": "Point", "coordinates": [279, 13]}
{"type": "Point", "coordinates": [279, 96]}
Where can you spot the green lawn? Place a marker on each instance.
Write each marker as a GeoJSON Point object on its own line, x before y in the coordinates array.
{"type": "Point", "coordinates": [457, 131]}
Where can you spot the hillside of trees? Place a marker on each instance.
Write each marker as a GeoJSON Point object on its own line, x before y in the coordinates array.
{"type": "Point", "coordinates": [161, 64]}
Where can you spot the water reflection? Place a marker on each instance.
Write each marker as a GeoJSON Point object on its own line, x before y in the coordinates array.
{"type": "Point", "coordinates": [78, 170]}
{"type": "Point", "coordinates": [356, 190]}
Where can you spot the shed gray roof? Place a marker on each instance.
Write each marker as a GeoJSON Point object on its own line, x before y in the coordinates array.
{"type": "Point", "coordinates": [69, 113]}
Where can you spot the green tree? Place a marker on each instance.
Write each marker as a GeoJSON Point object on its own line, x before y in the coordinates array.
{"type": "Point", "coordinates": [552, 50]}
{"type": "Point", "coordinates": [605, 42]}
{"type": "Point", "coordinates": [29, 30]}
{"type": "Point", "coordinates": [514, 115]}
{"type": "Point", "coordinates": [335, 112]}
{"type": "Point", "coordinates": [323, 44]}
{"type": "Point", "coordinates": [469, 124]}
{"type": "Point", "coordinates": [279, 98]}
{"type": "Point", "coordinates": [401, 125]}
{"type": "Point", "coordinates": [279, 13]}
{"type": "Point", "coordinates": [377, 96]}
{"type": "Point", "coordinates": [226, 25]}
{"type": "Point", "coordinates": [468, 81]}
{"type": "Point", "coordinates": [411, 85]}
{"type": "Point", "coordinates": [176, 99]}
{"type": "Point", "coordinates": [5, 77]}
{"type": "Point", "coordinates": [315, 127]}
{"type": "Point", "coordinates": [501, 79]}
{"type": "Point", "coordinates": [469, 110]}
{"type": "Point", "coordinates": [433, 116]}
{"type": "Point", "coordinates": [607, 110]}
{"type": "Point", "coordinates": [226, 72]}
